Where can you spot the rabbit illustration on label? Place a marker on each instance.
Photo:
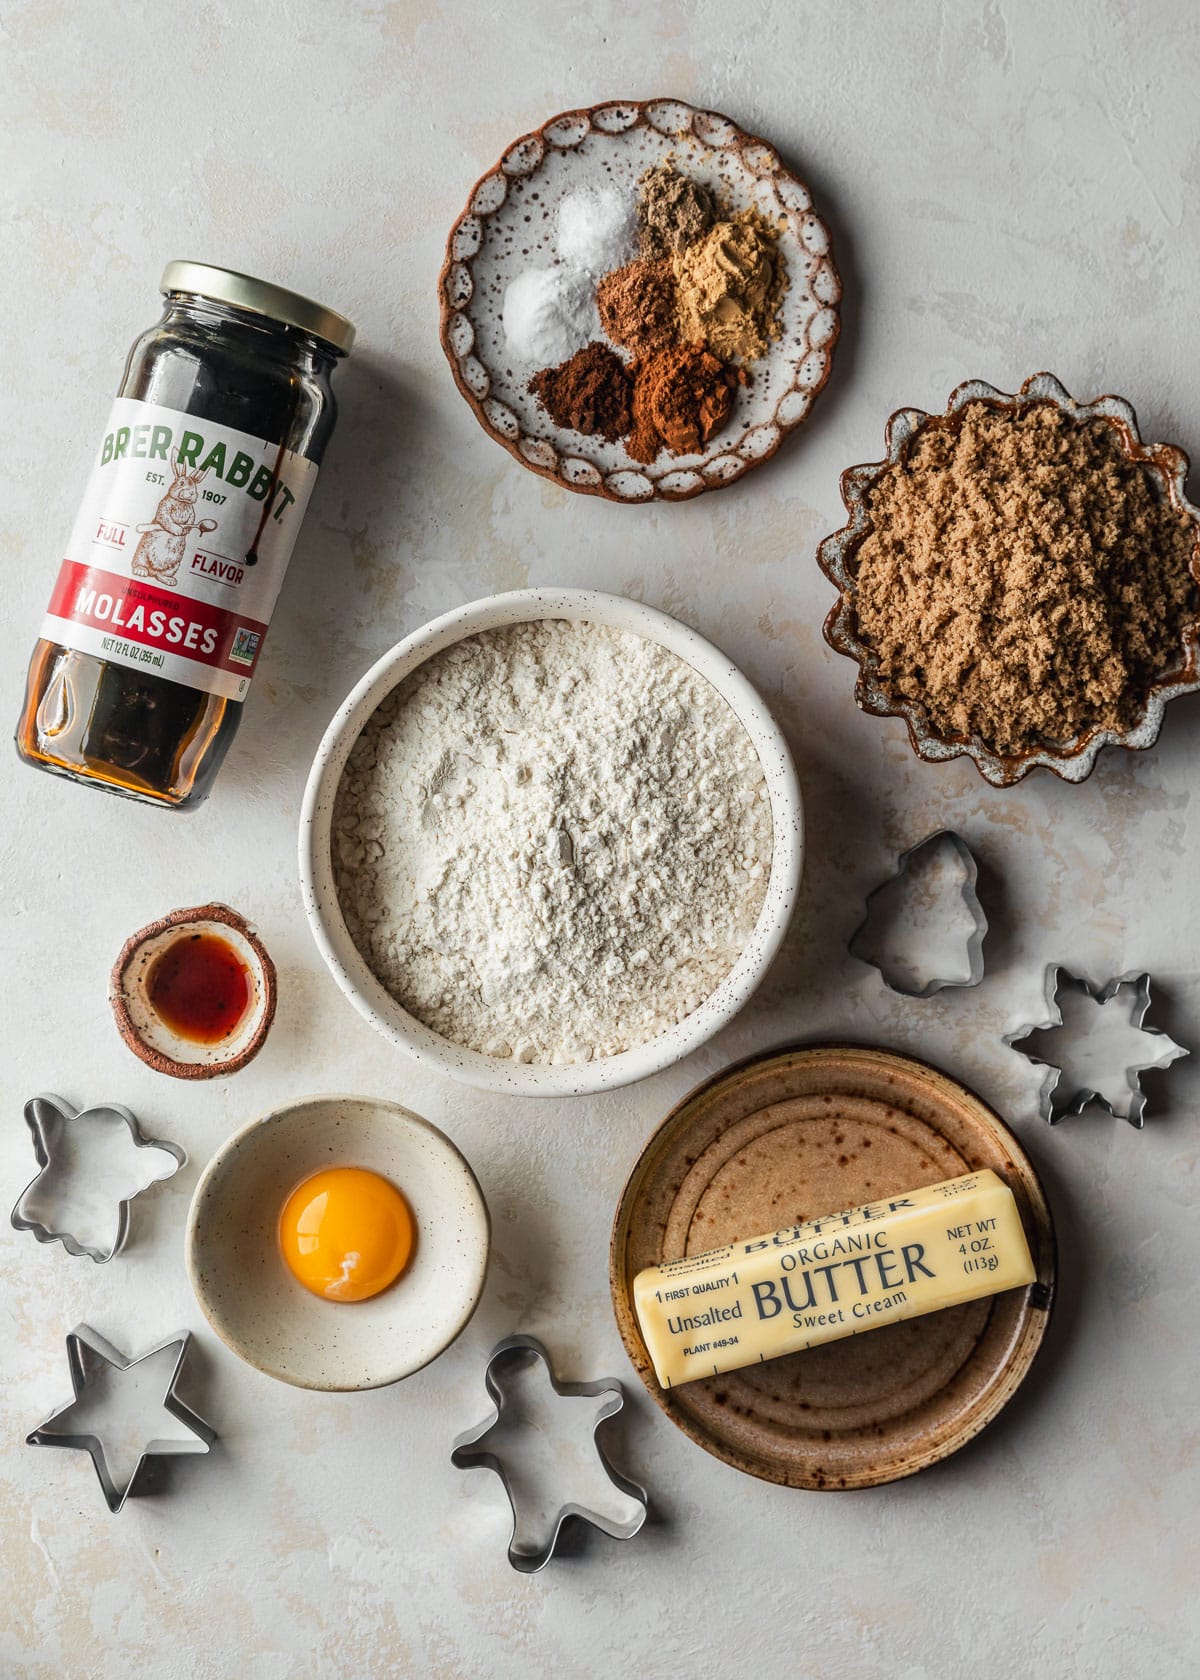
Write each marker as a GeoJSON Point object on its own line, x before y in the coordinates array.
{"type": "Point", "coordinates": [160, 549]}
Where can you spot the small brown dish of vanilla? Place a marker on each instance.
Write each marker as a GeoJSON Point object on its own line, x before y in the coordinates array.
{"type": "Point", "coordinates": [194, 993]}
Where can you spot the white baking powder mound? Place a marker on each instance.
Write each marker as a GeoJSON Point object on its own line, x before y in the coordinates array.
{"type": "Point", "coordinates": [551, 842]}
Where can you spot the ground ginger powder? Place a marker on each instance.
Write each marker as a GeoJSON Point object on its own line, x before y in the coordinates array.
{"type": "Point", "coordinates": [728, 288]}
{"type": "Point", "coordinates": [1024, 582]}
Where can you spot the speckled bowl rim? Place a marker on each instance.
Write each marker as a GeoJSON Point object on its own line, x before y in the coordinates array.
{"type": "Point", "coordinates": [673, 119]}
{"type": "Point", "coordinates": [489, 1073]}
{"type": "Point", "coordinates": [280, 1116]}
{"type": "Point", "coordinates": [1022, 1352]}
{"type": "Point", "coordinates": [836, 555]}
{"type": "Point", "coordinates": [159, 1060]}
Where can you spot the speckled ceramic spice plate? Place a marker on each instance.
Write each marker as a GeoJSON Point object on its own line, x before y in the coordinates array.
{"type": "Point", "coordinates": [509, 226]}
{"type": "Point", "coordinates": [790, 1136]}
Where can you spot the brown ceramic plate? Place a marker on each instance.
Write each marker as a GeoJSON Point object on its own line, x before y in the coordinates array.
{"type": "Point", "coordinates": [784, 1138]}
{"type": "Point", "coordinates": [509, 226]}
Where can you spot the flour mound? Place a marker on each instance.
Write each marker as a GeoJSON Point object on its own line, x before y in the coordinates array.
{"type": "Point", "coordinates": [552, 841]}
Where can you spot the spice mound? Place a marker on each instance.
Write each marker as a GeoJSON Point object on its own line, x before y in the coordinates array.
{"type": "Point", "coordinates": [681, 398]}
{"type": "Point", "coordinates": [596, 228]}
{"type": "Point", "coordinates": [552, 841]}
{"type": "Point", "coordinates": [591, 393]}
{"type": "Point", "coordinates": [548, 313]}
{"type": "Point", "coordinates": [1024, 582]}
{"type": "Point", "coordinates": [637, 306]}
{"type": "Point", "coordinates": [673, 211]}
{"type": "Point", "coordinates": [729, 287]}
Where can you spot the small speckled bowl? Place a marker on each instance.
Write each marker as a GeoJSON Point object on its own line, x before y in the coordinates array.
{"type": "Point", "coordinates": [1072, 761]}
{"type": "Point", "coordinates": [145, 1031]}
{"type": "Point", "coordinates": [270, 1320]}
{"type": "Point", "coordinates": [365, 991]}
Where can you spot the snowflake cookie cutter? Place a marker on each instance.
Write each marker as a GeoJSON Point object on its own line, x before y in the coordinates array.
{"type": "Point", "coordinates": [1133, 988]}
{"type": "Point", "coordinates": [53, 1124]}
{"type": "Point", "coordinates": [91, 1358]}
{"type": "Point", "coordinates": [903, 973]}
{"type": "Point", "coordinates": [471, 1450]}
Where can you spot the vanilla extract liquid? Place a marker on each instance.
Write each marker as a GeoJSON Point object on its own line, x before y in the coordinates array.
{"type": "Point", "coordinates": [198, 488]}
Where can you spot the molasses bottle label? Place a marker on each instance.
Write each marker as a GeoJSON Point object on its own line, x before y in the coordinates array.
{"type": "Point", "coordinates": [179, 549]}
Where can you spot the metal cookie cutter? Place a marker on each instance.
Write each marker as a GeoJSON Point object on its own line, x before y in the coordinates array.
{"type": "Point", "coordinates": [472, 1449]}
{"type": "Point", "coordinates": [63, 1141]}
{"type": "Point", "coordinates": [1124, 1098]}
{"type": "Point", "coordinates": [92, 1361]}
{"type": "Point", "coordinates": [889, 936]}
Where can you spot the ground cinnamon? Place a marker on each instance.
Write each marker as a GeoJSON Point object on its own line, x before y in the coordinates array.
{"type": "Point", "coordinates": [1024, 582]}
{"type": "Point", "coordinates": [681, 398]}
{"type": "Point", "coordinates": [590, 393]}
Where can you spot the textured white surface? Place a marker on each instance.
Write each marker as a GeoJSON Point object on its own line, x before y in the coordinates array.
{"type": "Point", "coordinates": [1011, 186]}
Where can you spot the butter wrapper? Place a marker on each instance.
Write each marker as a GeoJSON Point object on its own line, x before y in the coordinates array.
{"type": "Point", "coordinates": [832, 1277]}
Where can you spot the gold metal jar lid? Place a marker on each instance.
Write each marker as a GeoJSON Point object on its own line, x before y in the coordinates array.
{"type": "Point", "coordinates": [243, 291]}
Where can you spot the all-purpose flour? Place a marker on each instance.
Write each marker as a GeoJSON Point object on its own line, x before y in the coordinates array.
{"type": "Point", "coordinates": [552, 841]}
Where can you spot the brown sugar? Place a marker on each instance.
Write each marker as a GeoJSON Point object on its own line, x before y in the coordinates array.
{"type": "Point", "coordinates": [637, 306]}
{"type": "Point", "coordinates": [590, 393]}
{"type": "Point", "coordinates": [681, 398]}
{"type": "Point", "coordinates": [1024, 581]}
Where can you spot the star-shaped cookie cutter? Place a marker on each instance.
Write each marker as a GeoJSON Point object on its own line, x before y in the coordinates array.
{"type": "Point", "coordinates": [47, 1117]}
{"type": "Point", "coordinates": [1054, 1107]}
{"type": "Point", "coordinates": [470, 1449]}
{"type": "Point", "coordinates": [87, 1353]}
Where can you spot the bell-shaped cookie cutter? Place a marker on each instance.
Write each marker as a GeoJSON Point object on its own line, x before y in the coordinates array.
{"type": "Point", "coordinates": [46, 1117]}
{"type": "Point", "coordinates": [899, 975]}
{"type": "Point", "coordinates": [470, 1450]}
{"type": "Point", "coordinates": [1053, 1106]}
{"type": "Point", "coordinates": [88, 1353]}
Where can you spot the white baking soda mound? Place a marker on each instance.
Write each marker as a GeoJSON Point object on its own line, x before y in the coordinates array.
{"type": "Point", "coordinates": [549, 313]}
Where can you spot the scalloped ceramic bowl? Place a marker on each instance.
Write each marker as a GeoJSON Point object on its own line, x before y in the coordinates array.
{"type": "Point", "coordinates": [1075, 760]}
{"type": "Point", "coordinates": [349, 969]}
{"type": "Point", "coordinates": [509, 226]}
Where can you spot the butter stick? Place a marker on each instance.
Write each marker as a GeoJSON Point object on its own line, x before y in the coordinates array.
{"type": "Point", "coordinates": [832, 1277]}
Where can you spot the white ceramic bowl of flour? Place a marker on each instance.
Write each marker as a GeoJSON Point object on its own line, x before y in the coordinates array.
{"type": "Point", "coordinates": [504, 1073]}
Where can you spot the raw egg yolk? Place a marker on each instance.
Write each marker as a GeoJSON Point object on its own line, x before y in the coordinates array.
{"type": "Point", "coordinates": [346, 1233]}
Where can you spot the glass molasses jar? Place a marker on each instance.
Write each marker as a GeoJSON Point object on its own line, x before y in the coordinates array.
{"type": "Point", "coordinates": [177, 555]}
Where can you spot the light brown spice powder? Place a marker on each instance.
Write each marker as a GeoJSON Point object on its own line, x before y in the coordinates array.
{"type": "Point", "coordinates": [1024, 582]}
{"type": "Point", "coordinates": [729, 286]}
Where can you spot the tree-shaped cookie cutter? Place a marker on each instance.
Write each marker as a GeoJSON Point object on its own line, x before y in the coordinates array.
{"type": "Point", "coordinates": [1054, 1105]}
{"type": "Point", "coordinates": [903, 976]}
{"type": "Point", "coordinates": [48, 1119]}
{"type": "Point", "coordinates": [87, 1356]}
{"type": "Point", "coordinates": [470, 1449]}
